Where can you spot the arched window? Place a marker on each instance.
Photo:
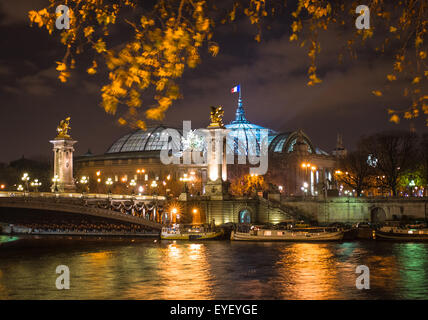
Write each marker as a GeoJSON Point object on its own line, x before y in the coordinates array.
{"type": "Point", "coordinates": [244, 216]}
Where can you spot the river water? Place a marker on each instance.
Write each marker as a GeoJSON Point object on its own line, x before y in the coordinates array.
{"type": "Point", "coordinates": [149, 269]}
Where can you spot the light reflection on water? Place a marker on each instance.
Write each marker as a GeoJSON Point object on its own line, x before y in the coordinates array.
{"type": "Point", "coordinates": [144, 269]}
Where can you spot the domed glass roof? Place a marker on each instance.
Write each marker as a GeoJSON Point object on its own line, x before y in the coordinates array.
{"type": "Point", "coordinates": [246, 133]}
{"type": "Point", "coordinates": [152, 139]}
{"type": "Point", "coordinates": [284, 143]}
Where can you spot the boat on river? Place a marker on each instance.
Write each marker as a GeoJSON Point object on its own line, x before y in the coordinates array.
{"type": "Point", "coordinates": [402, 233]}
{"type": "Point", "coordinates": [191, 232]}
{"type": "Point", "coordinates": [298, 234]}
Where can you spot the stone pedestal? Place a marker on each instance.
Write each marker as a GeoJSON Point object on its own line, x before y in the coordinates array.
{"type": "Point", "coordinates": [63, 165]}
{"type": "Point", "coordinates": [217, 166]}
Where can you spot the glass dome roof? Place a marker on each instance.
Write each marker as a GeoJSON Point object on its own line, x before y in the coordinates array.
{"type": "Point", "coordinates": [152, 139]}
{"type": "Point", "coordinates": [244, 132]}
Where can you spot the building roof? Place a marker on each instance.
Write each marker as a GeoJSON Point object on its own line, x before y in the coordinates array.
{"type": "Point", "coordinates": [244, 132]}
{"type": "Point", "coordinates": [153, 139]}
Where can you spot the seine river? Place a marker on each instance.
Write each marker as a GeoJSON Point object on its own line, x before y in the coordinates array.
{"type": "Point", "coordinates": [149, 269]}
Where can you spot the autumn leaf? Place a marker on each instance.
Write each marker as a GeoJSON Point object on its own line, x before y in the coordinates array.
{"type": "Point", "coordinates": [93, 69]}
{"type": "Point", "coordinates": [416, 80]}
{"type": "Point", "coordinates": [61, 66]}
{"type": "Point", "coordinates": [394, 118]}
{"type": "Point", "coordinates": [391, 77]}
{"type": "Point", "coordinates": [377, 93]}
{"type": "Point", "coordinates": [100, 46]}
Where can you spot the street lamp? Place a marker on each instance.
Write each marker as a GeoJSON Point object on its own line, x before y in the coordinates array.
{"type": "Point", "coordinates": [174, 211]}
{"type": "Point", "coordinates": [20, 188]}
{"type": "Point", "coordinates": [26, 178]}
{"type": "Point", "coordinates": [109, 182]}
{"type": "Point", "coordinates": [84, 180]}
{"type": "Point", "coordinates": [132, 183]}
{"type": "Point", "coordinates": [36, 184]}
{"type": "Point", "coordinates": [185, 178]}
{"type": "Point", "coordinates": [412, 184]}
{"type": "Point", "coordinates": [140, 172]}
{"type": "Point", "coordinates": [55, 180]}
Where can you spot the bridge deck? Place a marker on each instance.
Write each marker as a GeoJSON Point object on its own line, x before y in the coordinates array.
{"type": "Point", "coordinates": [61, 206]}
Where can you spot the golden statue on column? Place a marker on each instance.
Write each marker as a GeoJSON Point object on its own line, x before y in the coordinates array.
{"type": "Point", "coordinates": [63, 128]}
{"type": "Point", "coordinates": [216, 117]}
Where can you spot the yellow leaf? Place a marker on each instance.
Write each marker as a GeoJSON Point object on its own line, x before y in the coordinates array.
{"type": "Point", "coordinates": [100, 46]}
{"type": "Point", "coordinates": [395, 119]}
{"type": "Point", "coordinates": [88, 31]}
{"type": "Point", "coordinates": [407, 115]}
{"type": "Point", "coordinates": [377, 93]}
{"type": "Point", "coordinates": [392, 29]}
{"type": "Point", "coordinates": [93, 69]}
{"type": "Point", "coordinates": [61, 66]}
{"type": "Point", "coordinates": [416, 80]}
{"type": "Point", "coordinates": [391, 77]}
{"type": "Point", "coordinates": [121, 121]}
{"type": "Point", "coordinates": [214, 49]}
{"type": "Point", "coordinates": [423, 54]}
{"type": "Point", "coordinates": [293, 37]}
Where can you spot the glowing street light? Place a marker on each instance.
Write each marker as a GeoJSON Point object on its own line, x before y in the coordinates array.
{"type": "Point", "coordinates": [84, 180]}
{"type": "Point", "coordinates": [174, 211]}
{"type": "Point", "coordinates": [20, 188]}
{"type": "Point", "coordinates": [36, 184]}
{"type": "Point", "coordinates": [55, 180]}
{"type": "Point", "coordinates": [26, 178]}
{"type": "Point", "coordinates": [132, 183]}
{"type": "Point", "coordinates": [109, 182]}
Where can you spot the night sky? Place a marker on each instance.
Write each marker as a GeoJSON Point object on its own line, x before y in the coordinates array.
{"type": "Point", "coordinates": [272, 75]}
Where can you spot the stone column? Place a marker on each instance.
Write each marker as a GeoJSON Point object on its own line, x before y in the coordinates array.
{"type": "Point", "coordinates": [217, 166]}
{"type": "Point", "coordinates": [63, 164]}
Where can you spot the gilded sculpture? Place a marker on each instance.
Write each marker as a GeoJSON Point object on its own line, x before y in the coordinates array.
{"type": "Point", "coordinates": [216, 117]}
{"type": "Point", "coordinates": [63, 128]}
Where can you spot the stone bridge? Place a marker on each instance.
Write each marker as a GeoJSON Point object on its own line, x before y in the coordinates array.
{"type": "Point", "coordinates": [111, 210]}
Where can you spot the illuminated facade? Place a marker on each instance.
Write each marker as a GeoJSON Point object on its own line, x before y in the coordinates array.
{"type": "Point", "coordinates": [296, 166]}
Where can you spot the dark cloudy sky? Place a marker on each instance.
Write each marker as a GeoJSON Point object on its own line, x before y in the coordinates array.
{"type": "Point", "coordinates": [272, 75]}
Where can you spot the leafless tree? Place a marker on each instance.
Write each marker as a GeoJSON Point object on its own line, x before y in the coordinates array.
{"type": "Point", "coordinates": [392, 154]}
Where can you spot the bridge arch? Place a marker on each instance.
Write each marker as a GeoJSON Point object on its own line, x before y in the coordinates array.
{"type": "Point", "coordinates": [377, 214]}
{"type": "Point", "coordinates": [245, 215]}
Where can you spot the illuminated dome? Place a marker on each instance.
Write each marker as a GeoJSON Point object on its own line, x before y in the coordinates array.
{"type": "Point", "coordinates": [247, 133]}
{"type": "Point", "coordinates": [284, 143]}
{"type": "Point", "coordinates": [152, 139]}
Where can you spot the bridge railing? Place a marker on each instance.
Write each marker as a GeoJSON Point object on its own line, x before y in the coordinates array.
{"type": "Point", "coordinates": [145, 207]}
{"type": "Point", "coordinates": [75, 195]}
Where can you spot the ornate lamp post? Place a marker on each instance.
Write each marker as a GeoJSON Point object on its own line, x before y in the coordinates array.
{"type": "Point", "coordinates": [140, 172]}
{"type": "Point", "coordinates": [109, 182]}
{"type": "Point", "coordinates": [55, 180]}
{"type": "Point", "coordinates": [84, 180]}
{"type": "Point", "coordinates": [26, 178]}
{"type": "Point", "coordinates": [132, 183]}
{"type": "Point", "coordinates": [36, 184]}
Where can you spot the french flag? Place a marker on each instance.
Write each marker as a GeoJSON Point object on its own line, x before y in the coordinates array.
{"type": "Point", "coordinates": [236, 89]}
